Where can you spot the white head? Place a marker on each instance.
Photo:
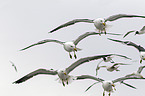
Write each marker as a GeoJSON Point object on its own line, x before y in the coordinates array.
{"type": "Point", "coordinates": [62, 74]}
{"type": "Point", "coordinates": [69, 46]}
{"type": "Point", "coordinates": [142, 55]}
{"type": "Point", "coordinates": [138, 74]}
{"type": "Point", "coordinates": [107, 86]}
{"type": "Point", "coordinates": [107, 59]}
{"type": "Point", "coordinates": [99, 23]}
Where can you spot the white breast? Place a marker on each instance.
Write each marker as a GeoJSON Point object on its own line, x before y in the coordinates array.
{"type": "Point", "coordinates": [107, 86]}
{"type": "Point", "coordinates": [142, 55]}
{"type": "Point", "coordinates": [98, 23]}
{"type": "Point", "coordinates": [69, 46]}
{"type": "Point", "coordinates": [61, 75]}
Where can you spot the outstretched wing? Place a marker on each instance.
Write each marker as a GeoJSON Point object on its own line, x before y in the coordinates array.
{"type": "Point", "coordinates": [91, 86]}
{"type": "Point", "coordinates": [115, 64]}
{"type": "Point", "coordinates": [122, 56]}
{"type": "Point", "coordinates": [71, 23]}
{"type": "Point", "coordinates": [129, 43]}
{"type": "Point", "coordinates": [143, 28]}
{"type": "Point", "coordinates": [42, 42]}
{"type": "Point", "coordinates": [84, 36]}
{"type": "Point", "coordinates": [84, 60]}
{"type": "Point", "coordinates": [88, 34]}
{"type": "Point", "coordinates": [128, 33]}
{"type": "Point", "coordinates": [125, 78]}
{"type": "Point", "coordinates": [34, 73]}
{"type": "Point", "coordinates": [118, 16]}
{"type": "Point", "coordinates": [140, 69]}
{"type": "Point", "coordinates": [14, 66]}
{"type": "Point", "coordinates": [89, 77]}
{"type": "Point", "coordinates": [128, 85]}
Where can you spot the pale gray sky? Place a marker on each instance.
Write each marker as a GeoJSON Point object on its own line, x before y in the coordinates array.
{"type": "Point", "coordinates": [24, 22]}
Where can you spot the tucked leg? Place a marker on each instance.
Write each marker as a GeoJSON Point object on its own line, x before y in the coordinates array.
{"type": "Point", "coordinates": [141, 61]}
{"type": "Point", "coordinates": [104, 93]}
{"type": "Point", "coordinates": [105, 31]}
{"type": "Point", "coordinates": [109, 94]}
{"type": "Point", "coordinates": [63, 83]}
{"type": "Point", "coordinates": [100, 32]}
{"type": "Point", "coordinates": [70, 55]}
{"type": "Point", "coordinates": [75, 55]}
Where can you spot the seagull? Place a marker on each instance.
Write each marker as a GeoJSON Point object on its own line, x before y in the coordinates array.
{"type": "Point", "coordinates": [64, 73]}
{"type": "Point", "coordinates": [112, 68]}
{"type": "Point", "coordinates": [99, 23]}
{"type": "Point", "coordinates": [129, 43]}
{"type": "Point", "coordinates": [13, 65]}
{"type": "Point", "coordinates": [69, 46]}
{"type": "Point", "coordinates": [141, 31]}
{"type": "Point", "coordinates": [138, 73]}
{"type": "Point", "coordinates": [107, 85]}
{"type": "Point", "coordinates": [109, 59]}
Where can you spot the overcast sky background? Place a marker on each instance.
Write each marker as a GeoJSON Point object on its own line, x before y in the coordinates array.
{"type": "Point", "coordinates": [24, 22]}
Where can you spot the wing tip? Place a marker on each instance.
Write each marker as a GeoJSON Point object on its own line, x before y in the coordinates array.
{"type": "Point", "coordinates": [16, 82]}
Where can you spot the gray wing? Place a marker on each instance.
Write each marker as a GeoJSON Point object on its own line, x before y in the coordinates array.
{"type": "Point", "coordinates": [128, 85]}
{"type": "Point", "coordinates": [71, 23]}
{"type": "Point", "coordinates": [84, 60]}
{"type": "Point", "coordinates": [128, 33]}
{"type": "Point", "coordinates": [98, 67]}
{"type": "Point", "coordinates": [125, 78]}
{"type": "Point", "coordinates": [115, 64]}
{"type": "Point", "coordinates": [143, 28]}
{"type": "Point", "coordinates": [129, 43]}
{"type": "Point", "coordinates": [14, 66]}
{"type": "Point", "coordinates": [88, 34]}
{"type": "Point", "coordinates": [122, 56]}
{"type": "Point", "coordinates": [132, 74]}
{"type": "Point", "coordinates": [34, 73]}
{"type": "Point", "coordinates": [118, 16]}
{"type": "Point", "coordinates": [89, 77]}
{"type": "Point", "coordinates": [140, 69]}
{"type": "Point", "coordinates": [84, 36]}
{"type": "Point", "coordinates": [91, 86]}
{"type": "Point", "coordinates": [42, 42]}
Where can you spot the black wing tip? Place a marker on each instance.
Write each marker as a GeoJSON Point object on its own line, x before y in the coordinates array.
{"type": "Point", "coordinates": [21, 49]}
{"type": "Point", "coordinates": [16, 82]}
{"type": "Point", "coordinates": [50, 32]}
{"type": "Point", "coordinates": [110, 39]}
{"type": "Point", "coordinates": [124, 36]}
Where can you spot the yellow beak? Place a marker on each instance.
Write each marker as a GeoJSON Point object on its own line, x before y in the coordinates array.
{"type": "Point", "coordinates": [104, 24]}
{"type": "Point", "coordinates": [113, 85]}
{"type": "Point", "coordinates": [143, 58]}
{"type": "Point", "coordinates": [75, 49]}
{"type": "Point", "coordinates": [64, 73]}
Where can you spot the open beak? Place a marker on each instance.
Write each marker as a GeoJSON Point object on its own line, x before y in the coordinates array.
{"type": "Point", "coordinates": [113, 85]}
{"type": "Point", "coordinates": [75, 49]}
{"type": "Point", "coordinates": [64, 73]}
{"type": "Point", "coordinates": [104, 24]}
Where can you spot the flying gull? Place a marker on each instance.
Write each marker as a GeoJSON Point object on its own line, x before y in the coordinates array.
{"type": "Point", "coordinates": [141, 31]}
{"type": "Point", "coordinates": [138, 73]}
{"type": "Point", "coordinates": [129, 43]}
{"type": "Point", "coordinates": [112, 68]}
{"type": "Point", "coordinates": [107, 85]}
{"type": "Point", "coordinates": [99, 23]}
{"type": "Point", "coordinates": [13, 66]}
{"type": "Point", "coordinates": [69, 46]}
{"type": "Point", "coordinates": [64, 74]}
